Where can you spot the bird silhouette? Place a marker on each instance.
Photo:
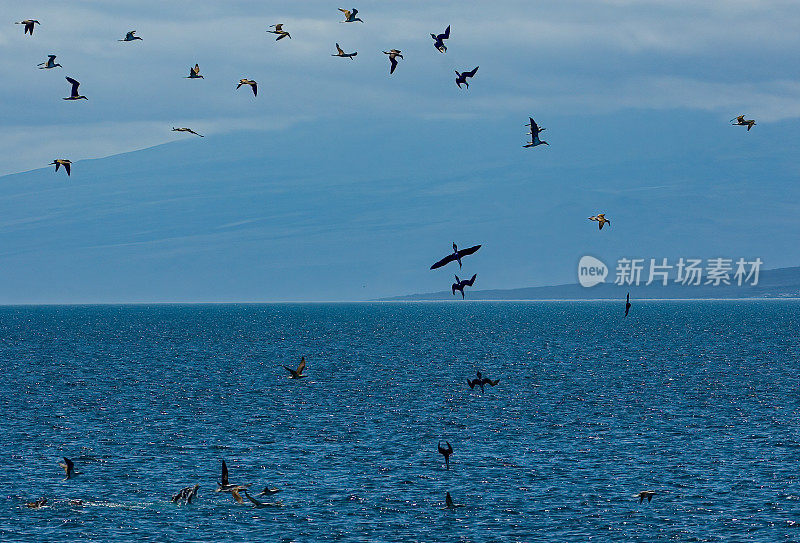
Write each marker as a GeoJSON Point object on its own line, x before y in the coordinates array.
{"type": "Point", "coordinates": [62, 162]}
{"type": "Point", "coordinates": [627, 304]}
{"type": "Point", "coordinates": [460, 284]}
{"type": "Point", "coordinates": [28, 25]}
{"type": "Point", "coordinates": [49, 63]}
{"type": "Point", "coordinates": [194, 73]}
{"type": "Point", "coordinates": [393, 54]}
{"type": "Point", "coordinates": [74, 95]}
{"type": "Point", "coordinates": [350, 15]}
{"type": "Point", "coordinates": [298, 373]}
{"type": "Point", "coordinates": [279, 31]}
{"type": "Point", "coordinates": [481, 381]}
{"type": "Point", "coordinates": [601, 220]}
{"type": "Point", "coordinates": [446, 452]}
{"type": "Point", "coordinates": [461, 77]}
{"type": "Point", "coordinates": [535, 130]}
{"type": "Point", "coordinates": [456, 255]}
{"type": "Point", "coordinates": [438, 40]}
{"type": "Point", "coordinates": [340, 53]}
{"type": "Point", "coordinates": [130, 36]}
{"type": "Point", "coordinates": [253, 85]}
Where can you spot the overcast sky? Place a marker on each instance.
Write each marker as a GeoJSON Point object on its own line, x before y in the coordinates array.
{"type": "Point", "coordinates": [564, 58]}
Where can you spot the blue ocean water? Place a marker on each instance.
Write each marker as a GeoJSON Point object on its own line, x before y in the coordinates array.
{"type": "Point", "coordinates": [697, 401]}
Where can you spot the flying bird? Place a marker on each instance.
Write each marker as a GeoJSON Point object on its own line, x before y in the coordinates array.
{"type": "Point", "coordinates": [350, 15]}
{"type": "Point", "coordinates": [341, 53]}
{"type": "Point", "coordinates": [740, 121]}
{"type": "Point", "coordinates": [253, 85]}
{"type": "Point", "coordinates": [194, 73]}
{"type": "Point", "coordinates": [189, 130]}
{"type": "Point", "coordinates": [279, 31]}
{"type": "Point", "coordinates": [627, 304]}
{"type": "Point", "coordinates": [460, 284]}
{"type": "Point", "coordinates": [601, 220]}
{"type": "Point", "coordinates": [298, 373]}
{"type": "Point", "coordinates": [645, 495]}
{"type": "Point", "coordinates": [258, 504]}
{"type": "Point", "coordinates": [28, 25]}
{"type": "Point", "coordinates": [456, 255]}
{"type": "Point", "coordinates": [74, 95]}
{"type": "Point", "coordinates": [393, 54]}
{"type": "Point", "coordinates": [49, 63]}
{"type": "Point", "coordinates": [185, 495]}
{"type": "Point", "coordinates": [481, 381]}
{"type": "Point", "coordinates": [446, 452]}
{"type": "Point", "coordinates": [130, 36]}
{"type": "Point", "coordinates": [462, 77]}
{"type": "Point", "coordinates": [535, 134]}
{"type": "Point", "coordinates": [438, 40]}
{"type": "Point", "coordinates": [69, 468]}
{"type": "Point", "coordinates": [223, 484]}
{"type": "Point", "coordinates": [62, 162]}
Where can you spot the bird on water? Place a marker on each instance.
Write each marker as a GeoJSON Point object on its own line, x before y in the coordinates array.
{"type": "Point", "coordinates": [185, 495]}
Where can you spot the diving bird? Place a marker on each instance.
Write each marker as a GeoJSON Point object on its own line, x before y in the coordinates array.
{"type": "Point", "coordinates": [740, 121]}
{"type": "Point", "coordinates": [601, 220]}
{"type": "Point", "coordinates": [269, 491]}
{"type": "Point", "coordinates": [41, 502]}
{"type": "Point", "coordinates": [627, 304]}
{"type": "Point", "coordinates": [456, 255]}
{"type": "Point", "coordinates": [446, 452]}
{"type": "Point", "coordinates": [350, 15]}
{"type": "Point", "coordinates": [253, 85]}
{"type": "Point", "coordinates": [279, 31]}
{"type": "Point", "coordinates": [74, 95]}
{"type": "Point", "coordinates": [461, 77]}
{"type": "Point", "coordinates": [341, 53]}
{"type": "Point", "coordinates": [62, 162]}
{"type": "Point", "coordinates": [194, 73]}
{"type": "Point", "coordinates": [481, 381]}
{"type": "Point", "coordinates": [49, 63]}
{"type": "Point", "coordinates": [438, 39]}
{"type": "Point", "coordinates": [460, 284]}
{"type": "Point", "coordinates": [223, 485]}
{"type": "Point", "coordinates": [645, 495]}
{"type": "Point", "coordinates": [185, 495]}
{"type": "Point", "coordinates": [298, 373]}
{"type": "Point", "coordinates": [28, 25]}
{"type": "Point", "coordinates": [69, 468]}
{"type": "Point", "coordinates": [393, 54]}
{"type": "Point", "coordinates": [535, 134]}
{"type": "Point", "coordinates": [130, 36]}
{"type": "Point", "coordinates": [184, 129]}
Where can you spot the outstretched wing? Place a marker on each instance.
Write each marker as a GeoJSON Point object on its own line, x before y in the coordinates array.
{"type": "Point", "coordinates": [446, 260]}
{"type": "Point", "coordinates": [446, 34]}
{"type": "Point", "coordinates": [472, 73]}
{"type": "Point", "coordinates": [393, 62]}
{"type": "Point", "coordinates": [302, 365]}
{"type": "Point", "coordinates": [255, 88]}
{"type": "Point", "coordinates": [236, 496]}
{"type": "Point", "coordinates": [339, 49]}
{"type": "Point", "coordinates": [354, 12]}
{"type": "Point", "coordinates": [469, 250]}
{"type": "Point", "coordinates": [75, 85]}
{"type": "Point", "coordinates": [471, 281]}
{"type": "Point", "coordinates": [224, 480]}
{"type": "Point", "coordinates": [66, 167]}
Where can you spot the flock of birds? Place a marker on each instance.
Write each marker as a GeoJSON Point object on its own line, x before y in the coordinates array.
{"type": "Point", "coordinates": [187, 494]}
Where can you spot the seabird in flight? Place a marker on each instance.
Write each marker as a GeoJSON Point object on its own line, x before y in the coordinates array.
{"type": "Point", "coordinates": [627, 304]}
{"type": "Point", "coordinates": [75, 95]}
{"type": "Point", "coordinates": [456, 255]}
{"type": "Point", "coordinates": [49, 63]}
{"type": "Point", "coordinates": [253, 85]}
{"type": "Point", "coordinates": [224, 486]}
{"type": "Point", "coordinates": [601, 220]}
{"type": "Point", "coordinates": [461, 77]}
{"type": "Point", "coordinates": [298, 373]}
{"type": "Point", "coordinates": [340, 53]}
{"type": "Point", "coordinates": [535, 134]}
{"type": "Point", "coordinates": [69, 468]}
{"type": "Point", "coordinates": [279, 31]}
{"type": "Point", "coordinates": [460, 284]}
{"type": "Point", "coordinates": [446, 452]}
{"type": "Point", "coordinates": [130, 36]}
{"type": "Point", "coordinates": [481, 381]}
{"type": "Point", "coordinates": [645, 495]}
{"type": "Point", "coordinates": [438, 40]}
{"type": "Point", "coordinates": [350, 15]}
{"type": "Point", "coordinates": [28, 25]}
{"type": "Point", "coordinates": [269, 491]}
{"type": "Point", "coordinates": [740, 121]}
{"type": "Point", "coordinates": [184, 129]}
{"type": "Point", "coordinates": [393, 54]}
{"type": "Point", "coordinates": [194, 73]}
{"type": "Point", "coordinates": [62, 162]}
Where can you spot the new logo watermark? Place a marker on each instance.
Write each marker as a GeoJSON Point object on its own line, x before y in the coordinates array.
{"type": "Point", "coordinates": [591, 271]}
{"type": "Point", "coordinates": [686, 271]}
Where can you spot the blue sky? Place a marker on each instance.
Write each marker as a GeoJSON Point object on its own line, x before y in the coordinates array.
{"type": "Point", "coordinates": [341, 182]}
